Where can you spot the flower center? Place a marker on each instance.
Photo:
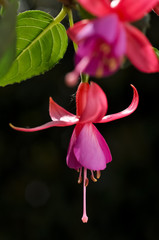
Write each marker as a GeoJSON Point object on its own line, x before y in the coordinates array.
{"type": "Point", "coordinates": [104, 57]}
{"type": "Point", "coordinates": [85, 184]}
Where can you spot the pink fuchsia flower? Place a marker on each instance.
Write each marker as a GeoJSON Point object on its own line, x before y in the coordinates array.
{"type": "Point", "coordinates": [87, 148]}
{"type": "Point", "coordinates": [102, 45]}
{"type": "Point", "coordinates": [104, 41]}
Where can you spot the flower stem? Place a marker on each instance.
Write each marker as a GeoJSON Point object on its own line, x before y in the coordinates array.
{"type": "Point", "coordinates": [84, 77]}
{"type": "Point", "coordinates": [71, 22]}
{"type": "Point", "coordinates": [62, 14]}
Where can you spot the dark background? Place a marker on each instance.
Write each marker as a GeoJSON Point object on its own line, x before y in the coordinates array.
{"type": "Point", "coordinates": [39, 196]}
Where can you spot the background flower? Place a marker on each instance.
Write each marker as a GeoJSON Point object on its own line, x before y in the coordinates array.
{"type": "Point", "coordinates": [138, 49]}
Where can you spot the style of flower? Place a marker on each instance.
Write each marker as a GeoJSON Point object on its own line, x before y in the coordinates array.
{"type": "Point", "coordinates": [87, 148]}
{"type": "Point", "coordinates": [104, 42]}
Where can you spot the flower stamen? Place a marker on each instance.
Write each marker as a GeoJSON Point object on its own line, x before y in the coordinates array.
{"type": "Point", "coordinates": [92, 177]}
{"type": "Point", "coordinates": [80, 176]}
{"type": "Point", "coordinates": [112, 64]}
{"type": "Point", "coordinates": [104, 48]}
{"type": "Point", "coordinates": [86, 182]}
{"type": "Point", "coordinates": [98, 174]}
{"type": "Point", "coordinates": [99, 71]}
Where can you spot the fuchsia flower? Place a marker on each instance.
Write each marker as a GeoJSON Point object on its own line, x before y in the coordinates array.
{"type": "Point", "coordinates": [104, 41]}
{"type": "Point", "coordinates": [87, 148]}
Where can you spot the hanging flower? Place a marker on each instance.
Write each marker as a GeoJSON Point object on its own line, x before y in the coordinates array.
{"type": "Point", "coordinates": [102, 45]}
{"type": "Point", "coordinates": [87, 148]}
{"type": "Point", "coordinates": [103, 42]}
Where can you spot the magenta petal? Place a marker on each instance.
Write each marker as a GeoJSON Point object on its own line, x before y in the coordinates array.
{"type": "Point", "coordinates": [98, 8]}
{"type": "Point", "coordinates": [125, 112]}
{"type": "Point", "coordinates": [90, 148]}
{"type": "Point", "coordinates": [105, 28]}
{"type": "Point", "coordinates": [132, 10]}
{"type": "Point", "coordinates": [96, 106]}
{"type": "Point", "coordinates": [120, 43]}
{"type": "Point", "coordinates": [57, 113]}
{"type": "Point", "coordinates": [71, 158]}
{"type": "Point", "coordinates": [140, 51]}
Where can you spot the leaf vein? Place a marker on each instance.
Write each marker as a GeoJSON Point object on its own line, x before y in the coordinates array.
{"type": "Point", "coordinates": [39, 20]}
{"type": "Point", "coordinates": [23, 26]}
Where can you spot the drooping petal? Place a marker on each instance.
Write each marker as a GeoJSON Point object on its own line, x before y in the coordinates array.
{"type": "Point", "coordinates": [96, 106]}
{"type": "Point", "coordinates": [60, 118]}
{"type": "Point", "coordinates": [98, 8]}
{"type": "Point", "coordinates": [58, 113]}
{"type": "Point", "coordinates": [59, 123]}
{"type": "Point", "coordinates": [71, 158]}
{"type": "Point", "coordinates": [140, 51]}
{"type": "Point", "coordinates": [77, 27]}
{"type": "Point", "coordinates": [90, 148]}
{"type": "Point", "coordinates": [132, 10]}
{"type": "Point", "coordinates": [132, 107]}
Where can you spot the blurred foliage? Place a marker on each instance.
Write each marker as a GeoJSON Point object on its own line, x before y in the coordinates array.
{"type": "Point", "coordinates": [7, 35]}
{"type": "Point", "coordinates": [39, 196]}
{"type": "Point", "coordinates": [157, 52]}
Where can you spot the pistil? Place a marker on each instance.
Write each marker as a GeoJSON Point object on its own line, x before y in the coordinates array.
{"type": "Point", "coordinates": [85, 183]}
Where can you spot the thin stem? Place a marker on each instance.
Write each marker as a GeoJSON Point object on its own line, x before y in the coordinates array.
{"type": "Point", "coordinates": [71, 22]}
{"type": "Point", "coordinates": [62, 14]}
{"type": "Point", "coordinates": [84, 77]}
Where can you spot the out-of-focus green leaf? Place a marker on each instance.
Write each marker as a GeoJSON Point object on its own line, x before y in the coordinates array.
{"type": "Point", "coordinates": [156, 51]}
{"type": "Point", "coordinates": [41, 43]}
{"type": "Point", "coordinates": [7, 36]}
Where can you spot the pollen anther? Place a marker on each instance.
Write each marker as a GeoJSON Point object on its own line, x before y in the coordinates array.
{"type": "Point", "coordinates": [86, 182]}
{"type": "Point", "coordinates": [79, 179]}
{"type": "Point", "coordinates": [99, 72]}
{"type": "Point", "coordinates": [80, 175]}
{"type": "Point", "coordinates": [105, 48]}
{"type": "Point", "coordinates": [92, 177]}
{"type": "Point", "coordinates": [98, 174]}
{"type": "Point", "coordinates": [112, 64]}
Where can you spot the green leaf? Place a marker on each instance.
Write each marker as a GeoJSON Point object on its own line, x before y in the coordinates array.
{"type": "Point", "coordinates": [157, 52]}
{"type": "Point", "coordinates": [8, 37]}
{"type": "Point", "coordinates": [41, 43]}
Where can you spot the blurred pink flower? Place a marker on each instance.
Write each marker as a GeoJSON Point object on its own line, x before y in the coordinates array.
{"type": "Point", "coordinates": [87, 148]}
{"type": "Point", "coordinates": [104, 41]}
{"type": "Point", "coordinates": [102, 45]}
